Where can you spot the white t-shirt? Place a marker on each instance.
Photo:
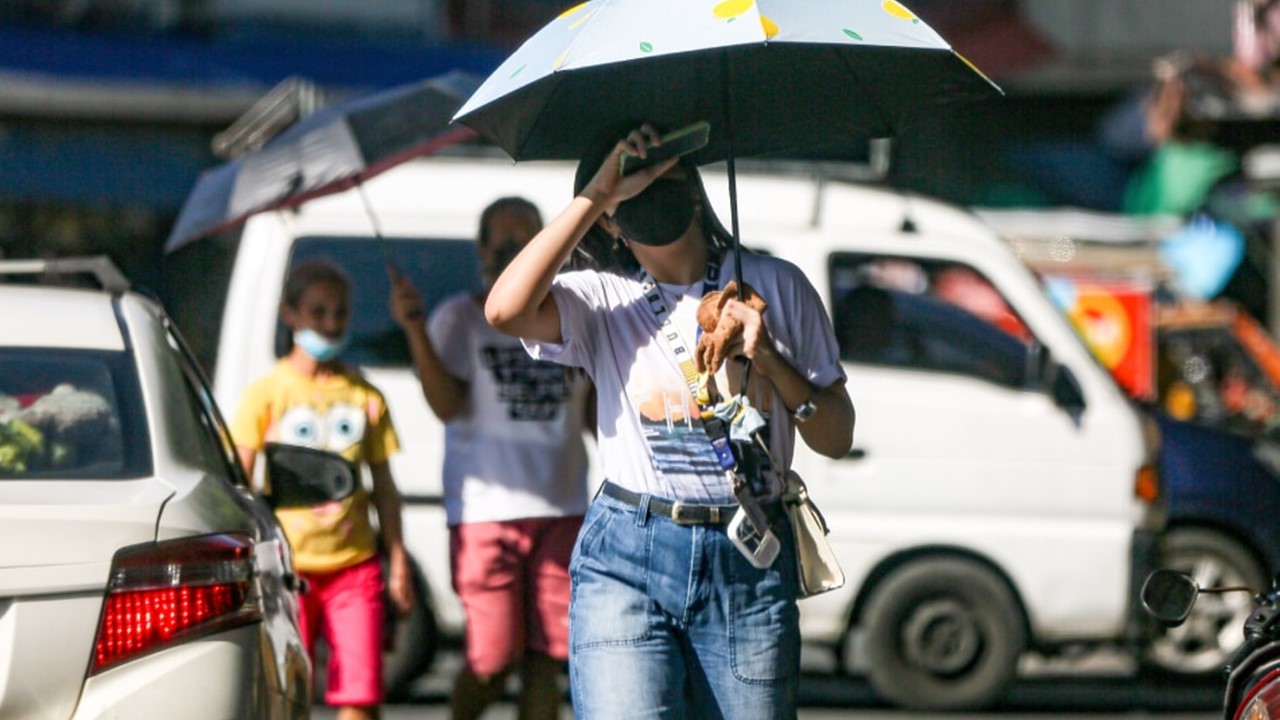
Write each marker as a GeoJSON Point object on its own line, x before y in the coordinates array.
{"type": "Point", "coordinates": [651, 438]}
{"type": "Point", "coordinates": [518, 451]}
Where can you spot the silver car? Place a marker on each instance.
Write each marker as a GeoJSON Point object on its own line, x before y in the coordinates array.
{"type": "Point", "coordinates": [139, 576]}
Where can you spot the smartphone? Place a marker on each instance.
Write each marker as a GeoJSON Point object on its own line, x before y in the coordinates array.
{"type": "Point", "coordinates": [673, 144]}
{"type": "Point", "coordinates": [760, 549]}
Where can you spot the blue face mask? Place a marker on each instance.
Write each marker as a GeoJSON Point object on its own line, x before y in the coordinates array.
{"type": "Point", "coordinates": [318, 346]}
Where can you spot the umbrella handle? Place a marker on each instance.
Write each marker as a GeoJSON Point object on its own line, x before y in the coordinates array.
{"type": "Point", "coordinates": [732, 172]}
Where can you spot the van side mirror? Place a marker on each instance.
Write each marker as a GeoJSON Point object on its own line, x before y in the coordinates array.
{"type": "Point", "coordinates": [1066, 391]}
{"type": "Point", "coordinates": [1044, 372]}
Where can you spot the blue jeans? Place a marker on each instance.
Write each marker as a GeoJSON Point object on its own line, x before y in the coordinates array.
{"type": "Point", "coordinates": [671, 621]}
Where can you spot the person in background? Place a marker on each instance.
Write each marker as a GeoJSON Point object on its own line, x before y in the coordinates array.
{"type": "Point", "coordinates": [669, 619]}
{"type": "Point", "coordinates": [311, 399]}
{"type": "Point", "coordinates": [514, 477]}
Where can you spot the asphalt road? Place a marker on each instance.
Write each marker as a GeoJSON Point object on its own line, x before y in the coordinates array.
{"type": "Point", "coordinates": [1096, 688]}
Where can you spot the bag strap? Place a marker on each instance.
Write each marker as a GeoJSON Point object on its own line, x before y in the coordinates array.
{"type": "Point", "coordinates": [661, 309]}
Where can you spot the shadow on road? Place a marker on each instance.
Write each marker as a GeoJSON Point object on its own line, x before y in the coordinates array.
{"type": "Point", "coordinates": [821, 687]}
{"type": "Point", "coordinates": [1044, 694]}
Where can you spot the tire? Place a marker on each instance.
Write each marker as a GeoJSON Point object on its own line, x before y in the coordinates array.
{"type": "Point", "coordinates": [413, 642]}
{"type": "Point", "coordinates": [943, 634]}
{"type": "Point", "coordinates": [1201, 646]}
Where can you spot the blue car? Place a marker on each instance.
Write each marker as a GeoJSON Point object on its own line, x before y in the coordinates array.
{"type": "Point", "coordinates": [1222, 495]}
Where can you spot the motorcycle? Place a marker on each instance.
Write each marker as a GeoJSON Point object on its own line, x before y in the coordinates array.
{"type": "Point", "coordinates": [1253, 672]}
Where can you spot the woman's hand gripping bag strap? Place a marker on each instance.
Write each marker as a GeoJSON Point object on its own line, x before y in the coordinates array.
{"type": "Point", "coordinates": [817, 567]}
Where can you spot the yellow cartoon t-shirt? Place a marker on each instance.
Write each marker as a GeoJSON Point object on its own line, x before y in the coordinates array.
{"type": "Point", "coordinates": [341, 413]}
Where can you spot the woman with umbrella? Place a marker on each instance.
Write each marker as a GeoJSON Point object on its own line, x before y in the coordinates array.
{"type": "Point", "coordinates": [669, 617]}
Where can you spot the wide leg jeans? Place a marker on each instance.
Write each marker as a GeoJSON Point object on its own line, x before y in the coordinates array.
{"type": "Point", "coordinates": [672, 621]}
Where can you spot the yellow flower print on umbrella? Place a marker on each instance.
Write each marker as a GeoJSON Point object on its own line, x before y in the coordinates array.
{"type": "Point", "coordinates": [895, 8]}
{"type": "Point", "coordinates": [572, 11]}
{"type": "Point", "coordinates": [730, 10]}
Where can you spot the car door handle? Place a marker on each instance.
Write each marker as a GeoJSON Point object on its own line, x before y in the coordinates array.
{"type": "Point", "coordinates": [856, 454]}
{"type": "Point", "coordinates": [295, 583]}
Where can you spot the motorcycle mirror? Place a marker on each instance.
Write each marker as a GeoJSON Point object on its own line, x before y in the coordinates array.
{"type": "Point", "coordinates": [1168, 596]}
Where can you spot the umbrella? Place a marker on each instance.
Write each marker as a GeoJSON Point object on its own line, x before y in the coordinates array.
{"type": "Point", "coordinates": [789, 78]}
{"type": "Point", "coordinates": [783, 78]}
{"type": "Point", "coordinates": [333, 149]}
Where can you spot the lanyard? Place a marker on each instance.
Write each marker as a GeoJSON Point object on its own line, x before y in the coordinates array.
{"type": "Point", "coordinates": [717, 432]}
{"type": "Point", "coordinates": [658, 303]}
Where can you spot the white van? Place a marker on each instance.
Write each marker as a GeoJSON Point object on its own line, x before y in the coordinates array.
{"type": "Point", "coordinates": [1000, 495]}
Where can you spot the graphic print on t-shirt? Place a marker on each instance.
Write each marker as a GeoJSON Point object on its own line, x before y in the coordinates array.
{"type": "Point", "coordinates": [531, 389]}
{"type": "Point", "coordinates": [673, 426]}
{"type": "Point", "coordinates": [336, 428]}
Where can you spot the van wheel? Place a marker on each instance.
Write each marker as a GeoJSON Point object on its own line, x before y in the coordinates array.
{"type": "Point", "coordinates": [1212, 632]}
{"type": "Point", "coordinates": [943, 634]}
{"type": "Point", "coordinates": [412, 642]}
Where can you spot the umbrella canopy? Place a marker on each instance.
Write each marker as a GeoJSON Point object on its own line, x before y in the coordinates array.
{"type": "Point", "coordinates": [331, 150]}
{"type": "Point", "coordinates": [782, 78]}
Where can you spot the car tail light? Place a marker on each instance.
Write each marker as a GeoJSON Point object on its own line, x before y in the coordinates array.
{"type": "Point", "coordinates": [160, 594]}
{"type": "Point", "coordinates": [1263, 702]}
{"type": "Point", "coordinates": [1146, 484]}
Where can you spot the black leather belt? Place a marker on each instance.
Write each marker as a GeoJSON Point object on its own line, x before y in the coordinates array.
{"type": "Point", "coordinates": [681, 513]}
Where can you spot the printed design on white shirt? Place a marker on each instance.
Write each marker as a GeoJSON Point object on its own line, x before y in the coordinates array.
{"type": "Point", "coordinates": [672, 425]}
{"type": "Point", "coordinates": [336, 428]}
{"type": "Point", "coordinates": [533, 390]}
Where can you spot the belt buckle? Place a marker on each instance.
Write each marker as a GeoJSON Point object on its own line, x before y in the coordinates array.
{"type": "Point", "coordinates": [687, 514]}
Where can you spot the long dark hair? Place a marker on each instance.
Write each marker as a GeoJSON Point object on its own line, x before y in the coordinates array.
{"type": "Point", "coordinates": [600, 251]}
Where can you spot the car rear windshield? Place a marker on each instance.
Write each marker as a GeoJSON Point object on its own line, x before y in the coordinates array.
{"type": "Point", "coordinates": [71, 414]}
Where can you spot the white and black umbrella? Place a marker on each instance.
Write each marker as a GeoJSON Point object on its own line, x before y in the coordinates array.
{"type": "Point", "coordinates": [331, 150]}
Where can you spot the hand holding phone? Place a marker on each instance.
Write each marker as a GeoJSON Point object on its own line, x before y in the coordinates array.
{"type": "Point", "coordinates": [674, 144]}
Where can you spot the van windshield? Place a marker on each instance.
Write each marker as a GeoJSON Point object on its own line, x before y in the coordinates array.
{"type": "Point", "coordinates": [439, 267]}
{"type": "Point", "coordinates": [71, 414]}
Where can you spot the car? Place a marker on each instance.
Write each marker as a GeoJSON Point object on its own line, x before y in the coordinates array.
{"type": "Point", "coordinates": [1223, 497]}
{"type": "Point", "coordinates": [1000, 497]}
{"type": "Point", "coordinates": [139, 575]}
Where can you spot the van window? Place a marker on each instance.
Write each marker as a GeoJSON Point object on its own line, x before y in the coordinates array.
{"type": "Point", "coordinates": [438, 267]}
{"type": "Point", "coordinates": [927, 315]}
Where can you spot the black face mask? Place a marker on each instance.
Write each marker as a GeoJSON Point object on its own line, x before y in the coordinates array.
{"type": "Point", "coordinates": [657, 216]}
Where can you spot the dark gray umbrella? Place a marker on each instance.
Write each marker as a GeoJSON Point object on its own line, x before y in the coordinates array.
{"type": "Point", "coordinates": [333, 149]}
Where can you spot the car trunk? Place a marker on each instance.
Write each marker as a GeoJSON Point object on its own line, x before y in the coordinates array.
{"type": "Point", "coordinates": [57, 540]}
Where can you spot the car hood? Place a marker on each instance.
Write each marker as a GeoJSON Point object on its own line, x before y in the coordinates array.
{"type": "Point", "coordinates": [60, 536]}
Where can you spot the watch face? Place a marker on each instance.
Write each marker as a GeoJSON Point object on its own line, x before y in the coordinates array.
{"type": "Point", "coordinates": [805, 411]}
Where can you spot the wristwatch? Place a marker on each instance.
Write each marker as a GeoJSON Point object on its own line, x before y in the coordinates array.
{"type": "Point", "coordinates": [805, 410]}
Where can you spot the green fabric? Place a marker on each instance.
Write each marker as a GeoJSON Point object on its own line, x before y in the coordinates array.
{"type": "Point", "coordinates": [1177, 179]}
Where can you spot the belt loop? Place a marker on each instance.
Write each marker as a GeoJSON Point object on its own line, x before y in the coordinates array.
{"type": "Point", "coordinates": [642, 510]}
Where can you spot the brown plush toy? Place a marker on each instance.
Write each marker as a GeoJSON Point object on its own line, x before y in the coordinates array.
{"type": "Point", "coordinates": [718, 330]}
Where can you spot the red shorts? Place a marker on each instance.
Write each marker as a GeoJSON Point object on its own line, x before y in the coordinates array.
{"type": "Point", "coordinates": [513, 580]}
{"type": "Point", "coordinates": [346, 607]}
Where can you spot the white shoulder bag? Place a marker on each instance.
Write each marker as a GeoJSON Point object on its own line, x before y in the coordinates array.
{"type": "Point", "coordinates": [816, 563]}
